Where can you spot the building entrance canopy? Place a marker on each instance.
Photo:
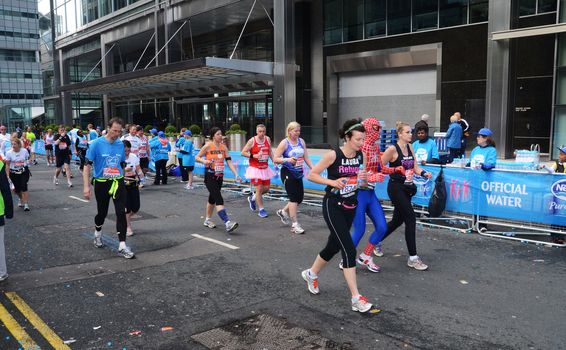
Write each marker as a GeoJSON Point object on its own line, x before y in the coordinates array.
{"type": "Point", "coordinates": [200, 76]}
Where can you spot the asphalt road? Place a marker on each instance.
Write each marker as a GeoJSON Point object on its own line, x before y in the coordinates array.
{"type": "Point", "coordinates": [183, 291]}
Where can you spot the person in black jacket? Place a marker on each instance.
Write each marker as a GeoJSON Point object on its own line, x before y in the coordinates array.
{"type": "Point", "coordinates": [6, 211]}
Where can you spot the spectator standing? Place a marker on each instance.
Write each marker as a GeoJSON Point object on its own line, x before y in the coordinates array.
{"type": "Point", "coordinates": [454, 138]}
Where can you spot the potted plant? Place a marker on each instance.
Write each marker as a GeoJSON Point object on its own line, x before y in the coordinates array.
{"type": "Point", "coordinates": [198, 139]}
{"type": "Point", "coordinates": [236, 137]}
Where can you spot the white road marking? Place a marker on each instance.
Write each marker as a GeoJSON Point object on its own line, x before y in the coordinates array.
{"type": "Point", "coordinates": [215, 241]}
{"type": "Point", "coordinates": [79, 199]}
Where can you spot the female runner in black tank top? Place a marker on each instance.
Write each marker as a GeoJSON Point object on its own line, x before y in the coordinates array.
{"type": "Point", "coordinates": [339, 208]}
{"type": "Point", "coordinates": [401, 188]}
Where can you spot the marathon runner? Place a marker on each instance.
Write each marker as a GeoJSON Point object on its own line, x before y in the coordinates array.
{"type": "Point", "coordinates": [133, 175]}
{"type": "Point", "coordinates": [107, 158]}
{"type": "Point", "coordinates": [62, 144]}
{"type": "Point", "coordinates": [258, 150]}
{"type": "Point", "coordinates": [338, 208]}
{"type": "Point", "coordinates": [17, 161]}
{"type": "Point", "coordinates": [215, 153]}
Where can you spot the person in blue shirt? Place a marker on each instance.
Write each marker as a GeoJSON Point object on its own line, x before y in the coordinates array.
{"type": "Point", "coordinates": [160, 148]}
{"type": "Point", "coordinates": [81, 146]}
{"type": "Point", "coordinates": [454, 138]}
{"type": "Point", "coordinates": [426, 150]}
{"type": "Point", "coordinates": [179, 154]}
{"type": "Point", "coordinates": [484, 155]}
{"type": "Point", "coordinates": [188, 157]}
{"type": "Point", "coordinates": [106, 160]}
{"type": "Point", "coordinates": [92, 134]}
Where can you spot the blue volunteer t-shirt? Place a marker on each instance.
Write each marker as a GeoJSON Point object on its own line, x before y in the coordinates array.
{"type": "Point", "coordinates": [93, 135]}
{"type": "Point", "coordinates": [425, 150]}
{"type": "Point", "coordinates": [106, 158]}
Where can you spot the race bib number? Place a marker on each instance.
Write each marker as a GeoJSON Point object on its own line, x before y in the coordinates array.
{"type": "Point", "coordinates": [62, 145]}
{"type": "Point", "coordinates": [218, 168]}
{"type": "Point", "coordinates": [263, 157]}
{"type": "Point", "coordinates": [351, 186]}
{"type": "Point", "coordinates": [110, 173]}
{"type": "Point", "coordinates": [300, 162]}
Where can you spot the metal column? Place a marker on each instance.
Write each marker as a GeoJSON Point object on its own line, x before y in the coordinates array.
{"type": "Point", "coordinates": [284, 89]}
{"type": "Point", "coordinates": [497, 115]}
{"type": "Point", "coordinates": [317, 64]}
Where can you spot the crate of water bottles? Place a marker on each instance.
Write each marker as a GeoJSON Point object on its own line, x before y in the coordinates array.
{"type": "Point", "coordinates": [388, 138]}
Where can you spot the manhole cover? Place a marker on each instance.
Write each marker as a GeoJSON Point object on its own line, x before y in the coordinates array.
{"type": "Point", "coordinates": [264, 332]}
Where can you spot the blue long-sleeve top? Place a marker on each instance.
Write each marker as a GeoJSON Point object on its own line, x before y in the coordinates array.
{"type": "Point", "coordinates": [159, 148]}
{"type": "Point", "coordinates": [486, 156]}
{"type": "Point", "coordinates": [179, 146]}
{"type": "Point", "coordinates": [454, 136]}
{"type": "Point", "coordinates": [426, 150]}
{"type": "Point", "coordinates": [187, 153]}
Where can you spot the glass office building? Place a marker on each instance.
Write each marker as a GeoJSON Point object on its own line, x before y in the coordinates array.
{"type": "Point", "coordinates": [498, 63]}
{"type": "Point", "coordinates": [20, 73]}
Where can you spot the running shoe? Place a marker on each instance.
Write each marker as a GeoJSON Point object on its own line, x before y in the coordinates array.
{"type": "Point", "coordinates": [417, 264]}
{"type": "Point", "coordinates": [373, 267]}
{"type": "Point", "coordinates": [262, 213]}
{"type": "Point", "coordinates": [20, 204]}
{"type": "Point", "coordinates": [55, 181]}
{"type": "Point", "coordinates": [188, 187]}
{"type": "Point", "coordinates": [129, 233]}
{"type": "Point", "coordinates": [4, 277]}
{"type": "Point", "coordinates": [126, 253]}
{"type": "Point", "coordinates": [26, 207]}
{"type": "Point", "coordinates": [297, 229]}
{"type": "Point", "coordinates": [361, 304]}
{"type": "Point", "coordinates": [283, 216]}
{"type": "Point", "coordinates": [70, 184]}
{"type": "Point", "coordinates": [252, 203]}
{"type": "Point", "coordinates": [378, 251]}
{"type": "Point", "coordinates": [312, 283]}
{"type": "Point", "coordinates": [341, 265]}
{"type": "Point", "coordinates": [231, 226]}
{"type": "Point", "coordinates": [209, 224]}
{"type": "Point", "coordinates": [98, 241]}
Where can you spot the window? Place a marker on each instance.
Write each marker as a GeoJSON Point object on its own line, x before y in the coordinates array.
{"type": "Point", "coordinates": [353, 20]}
{"type": "Point", "coordinates": [546, 6]}
{"type": "Point", "coordinates": [527, 7]}
{"type": "Point", "coordinates": [453, 13]}
{"type": "Point", "coordinates": [398, 17]}
{"type": "Point", "coordinates": [479, 11]}
{"type": "Point", "coordinates": [375, 18]}
{"type": "Point", "coordinates": [118, 4]}
{"type": "Point", "coordinates": [332, 21]}
{"type": "Point", "coordinates": [425, 14]}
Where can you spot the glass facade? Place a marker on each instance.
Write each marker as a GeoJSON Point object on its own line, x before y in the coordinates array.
{"type": "Point", "coordinates": [20, 73]}
{"type": "Point", "coordinates": [350, 20]}
{"type": "Point", "coordinates": [73, 14]}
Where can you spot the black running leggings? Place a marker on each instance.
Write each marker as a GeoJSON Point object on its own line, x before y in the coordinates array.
{"type": "Point", "coordinates": [161, 171]}
{"type": "Point", "coordinates": [103, 201]}
{"type": "Point", "coordinates": [214, 185]}
{"type": "Point", "coordinates": [132, 198]}
{"type": "Point", "coordinates": [339, 221]}
{"type": "Point", "coordinates": [400, 196]}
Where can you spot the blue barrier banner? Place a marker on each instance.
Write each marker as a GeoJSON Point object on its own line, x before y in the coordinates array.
{"type": "Point", "coordinates": [515, 195]}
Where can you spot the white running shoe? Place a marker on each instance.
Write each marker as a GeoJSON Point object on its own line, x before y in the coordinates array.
{"type": "Point", "coordinates": [20, 204]}
{"type": "Point", "coordinates": [417, 264]}
{"type": "Point", "coordinates": [231, 226]}
{"type": "Point", "coordinates": [70, 184]}
{"type": "Point", "coordinates": [361, 304]}
{"type": "Point", "coordinates": [98, 241]}
{"type": "Point", "coordinates": [126, 253]}
{"type": "Point", "coordinates": [368, 262]}
{"type": "Point", "coordinates": [209, 224]}
{"type": "Point", "coordinates": [312, 283]}
{"type": "Point", "coordinates": [283, 216]}
{"type": "Point", "coordinates": [55, 181]}
{"type": "Point", "coordinates": [297, 229]}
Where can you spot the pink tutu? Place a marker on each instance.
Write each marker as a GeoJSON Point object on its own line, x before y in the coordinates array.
{"type": "Point", "coordinates": [261, 174]}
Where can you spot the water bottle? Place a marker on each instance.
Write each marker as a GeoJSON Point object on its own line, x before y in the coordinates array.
{"type": "Point", "coordinates": [361, 183]}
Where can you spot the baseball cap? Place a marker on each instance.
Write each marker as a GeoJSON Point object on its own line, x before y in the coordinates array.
{"type": "Point", "coordinates": [161, 134]}
{"type": "Point", "coordinates": [188, 133]}
{"type": "Point", "coordinates": [153, 131]}
{"type": "Point", "coordinates": [485, 132]}
{"type": "Point", "coordinates": [562, 149]}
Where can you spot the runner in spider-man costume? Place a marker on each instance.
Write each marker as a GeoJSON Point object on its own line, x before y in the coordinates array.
{"type": "Point", "coordinates": [367, 200]}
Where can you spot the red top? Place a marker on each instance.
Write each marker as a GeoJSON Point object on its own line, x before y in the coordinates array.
{"type": "Point", "coordinates": [263, 150]}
